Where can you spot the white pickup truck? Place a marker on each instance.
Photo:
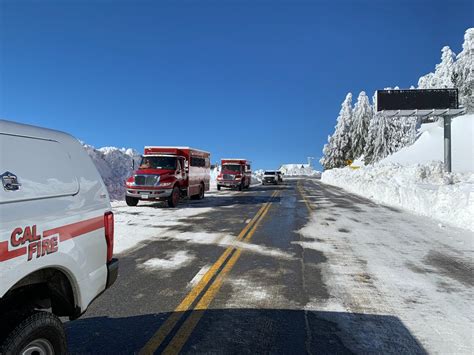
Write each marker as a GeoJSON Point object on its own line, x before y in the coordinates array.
{"type": "Point", "coordinates": [56, 237]}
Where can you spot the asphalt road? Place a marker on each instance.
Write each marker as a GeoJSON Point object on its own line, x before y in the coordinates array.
{"type": "Point", "coordinates": [292, 281]}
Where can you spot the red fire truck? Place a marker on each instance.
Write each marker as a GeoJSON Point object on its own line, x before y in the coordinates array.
{"type": "Point", "coordinates": [234, 173]}
{"type": "Point", "coordinates": [169, 173]}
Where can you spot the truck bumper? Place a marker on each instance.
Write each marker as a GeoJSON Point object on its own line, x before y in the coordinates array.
{"type": "Point", "coordinates": [149, 194]}
{"type": "Point", "coordinates": [231, 183]}
{"type": "Point", "coordinates": [112, 272]}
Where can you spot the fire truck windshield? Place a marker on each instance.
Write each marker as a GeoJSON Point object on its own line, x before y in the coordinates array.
{"type": "Point", "coordinates": [231, 167]}
{"type": "Point", "coordinates": [166, 163]}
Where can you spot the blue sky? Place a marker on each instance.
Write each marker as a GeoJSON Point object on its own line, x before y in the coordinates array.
{"type": "Point", "coordinates": [262, 80]}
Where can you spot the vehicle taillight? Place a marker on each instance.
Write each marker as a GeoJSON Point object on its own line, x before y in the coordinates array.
{"type": "Point", "coordinates": [109, 233]}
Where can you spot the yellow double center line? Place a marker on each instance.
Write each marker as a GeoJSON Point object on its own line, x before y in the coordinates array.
{"type": "Point", "coordinates": [217, 273]}
{"type": "Point", "coordinates": [308, 205]}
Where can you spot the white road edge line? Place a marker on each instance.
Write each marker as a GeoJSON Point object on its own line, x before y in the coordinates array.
{"type": "Point", "coordinates": [198, 276]}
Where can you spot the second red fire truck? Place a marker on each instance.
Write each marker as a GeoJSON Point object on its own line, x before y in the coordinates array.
{"type": "Point", "coordinates": [234, 173]}
{"type": "Point", "coordinates": [169, 173]}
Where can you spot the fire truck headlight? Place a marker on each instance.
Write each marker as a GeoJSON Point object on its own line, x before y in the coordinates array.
{"type": "Point", "coordinates": [130, 181]}
{"type": "Point", "coordinates": [165, 184]}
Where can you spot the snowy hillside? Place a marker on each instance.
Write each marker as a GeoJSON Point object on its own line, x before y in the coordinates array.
{"type": "Point", "coordinates": [429, 145]}
{"type": "Point", "coordinates": [298, 170]}
{"type": "Point", "coordinates": [414, 178]}
{"type": "Point", "coordinates": [115, 166]}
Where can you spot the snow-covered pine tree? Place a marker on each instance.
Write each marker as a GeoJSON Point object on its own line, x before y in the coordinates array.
{"type": "Point", "coordinates": [337, 150]}
{"type": "Point", "coordinates": [463, 73]}
{"type": "Point", "coordinates": [402, 133]}
{"type": "Point", "coordinates": [384, 133]}
{"type": "Point", "coordinates": [371, 133]}
{"type": "Point", "coordinates": [443, 75]}
{"type": "Point", "coordinates": [327, 160]}
{"type": "Point", "coordinates": [361, 117]}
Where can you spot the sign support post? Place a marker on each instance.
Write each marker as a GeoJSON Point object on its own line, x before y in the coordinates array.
{"type": "Point", "coordinates": [423, 103]}
{"type": "Point", "coordinates": [447, 143]}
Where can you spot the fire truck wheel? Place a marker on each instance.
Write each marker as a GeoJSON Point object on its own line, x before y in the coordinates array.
{"type": "Point", "coordinates": [37, 333]}
{"type": "Point", "coordinates": [200, 195]}
{"type": "Point", "coordinates": [201, 192]}
{"type": "Point", "coordinates": [173, 200]}
{"type": "Point", "coordinates": [218, 187]}
{"type": "Point", "coordinates": [241, 186]}
{"type": "Point", "coordinates": [131, 201]}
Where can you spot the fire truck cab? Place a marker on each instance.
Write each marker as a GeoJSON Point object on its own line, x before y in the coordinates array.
{"type": "Point", "coordinates": [169, 174]}
{"type": "Point", "coordinates": [234, 173]}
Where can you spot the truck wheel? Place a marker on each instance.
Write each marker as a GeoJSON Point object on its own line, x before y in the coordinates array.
{"type": "Point", "coordinates": [200, 195]}
{"type": "Point", "coordinates": [201, 192]}
{"type": "Point", "coordinates": [37, 333]}
{"type": "Point", "coordinates": [218, 187]}
{"type": "Point", "coordinates": [131, 201]}
{"type": "Point", "coordinates": [241, 186]}
{"type": "Point", "coordinates": [173, 200]}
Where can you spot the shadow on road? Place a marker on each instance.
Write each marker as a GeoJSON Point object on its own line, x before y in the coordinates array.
{"type": "Point", "coordinates": [217, 201]}
{"type": "Point", "coordinates": [252, 331]}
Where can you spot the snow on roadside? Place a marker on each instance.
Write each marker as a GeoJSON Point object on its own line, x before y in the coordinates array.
{"type": "Point", "coordinates": [423, 189]}
{"type": "Point", "coordinates": [173, 261]}
{"type": "Point", "coordinates": [429, 145]}
{"type": "Point", "coordinates": [115, 166]}
{"type": "Point", "coordinates": [414, 179]}
{"type": "Point", "coordinates": [395, 268]}
{"type": "Point", "coordinates": [299, 170]}
{"type": "Point", "coordinates": [150, 222]}
{"type": "Point", "coordinates": [134, 225]}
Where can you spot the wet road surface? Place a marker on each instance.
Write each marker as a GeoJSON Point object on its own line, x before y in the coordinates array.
{"type": "Point", "coordinates": [297, 268]}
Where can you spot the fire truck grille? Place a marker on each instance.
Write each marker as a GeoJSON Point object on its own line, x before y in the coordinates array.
{"type": "Point", "coordinates": [147, 180]}
{"type": "Point", "coordinates": [229, 177]}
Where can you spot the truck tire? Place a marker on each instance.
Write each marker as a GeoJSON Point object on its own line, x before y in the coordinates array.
{"type": "Point", "coordinates": [131, 201]}
{"type": "Point", "coordinates": [173, 200]}
{"type": "Point", "coordinates": [200, 195]}
{"type": "Point", "coordinates": [36, 333]}
{"type": "Point", "coordinates": [218, 187]}
{"type": "Point", "coordinates": [201, 192]}
{"type": "Point", "coordinates": [241, 186]}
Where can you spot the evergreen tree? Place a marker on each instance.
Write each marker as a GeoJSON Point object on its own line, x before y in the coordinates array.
{"type": "Point", "coordinates": [371, 132]}
{"type": "Point", "coordinates": [443, 75]}
{"type": "Point", "coordinates": [463, 73]}
{"type": "Point", "coordinates": [383, 137]}
{"type": "Point", "coordinates": [337, 150]}
{"type": "Point", "coordinates": [360, 125]}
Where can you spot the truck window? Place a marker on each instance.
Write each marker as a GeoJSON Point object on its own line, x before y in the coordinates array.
{"type": "Point", "coordinates": [200, 162]}
{"type": "Point", "coordinates": [42, 167]}
{"type": "Point", "coordinates": [165, 163]}
{"type": "Point", "coordinates": [235, 168]}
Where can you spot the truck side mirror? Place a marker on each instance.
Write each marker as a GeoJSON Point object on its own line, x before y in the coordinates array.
{"type": "Point", "coordinates": [133, 164]}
